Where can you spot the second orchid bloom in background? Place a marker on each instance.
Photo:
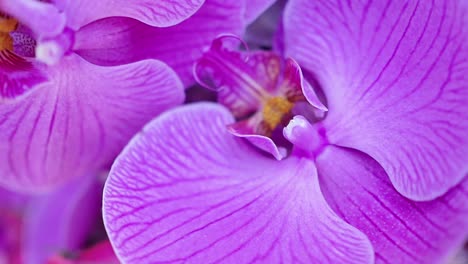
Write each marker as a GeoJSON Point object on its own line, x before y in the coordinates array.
{"type": "Point", "coordinates": [75, 85]}
{"type": "Point", "coordinates": [65, 112]}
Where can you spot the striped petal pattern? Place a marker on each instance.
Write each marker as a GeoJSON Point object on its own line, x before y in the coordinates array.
{"type": "Point", "coordinates": [79, 120]}
{"type": "Point", "coordinates": [185, 190]}
{"type": "Point", "coordinates": [394, 74]}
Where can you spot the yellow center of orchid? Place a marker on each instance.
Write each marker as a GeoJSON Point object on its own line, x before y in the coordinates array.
{"type": "Point", "coordinates": [7, 25]}
{"type": "Point", "coordinates": [274, 110]}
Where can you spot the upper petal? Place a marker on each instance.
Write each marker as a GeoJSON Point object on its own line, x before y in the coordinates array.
{"type": "Point", "coordinates": [160, 13]}
{"type": "Point", "coordinates": [186, 190]}
{"type": "Point", "coordinates": [80, 119]}
{"type": "Point", "coordinates": [124, 40]}
{"type": "Point", "coordinates": [394, 74]}
{"type": "Point", "coordinates": [401, 230]}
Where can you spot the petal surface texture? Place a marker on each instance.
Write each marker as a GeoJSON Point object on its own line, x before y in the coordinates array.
{"type": "Point", "coordinates": [185, 190]}
{"type": "Point", "coordinates": [401, 230]}
{"type": "Point", "coordinates": [394, 74]}
{"type": "Point", "coordinates": [124, 40]}
{"type": "Point", "coordinates": [79, 120]}
{"type": "Point", "coordinates": [160, 13]}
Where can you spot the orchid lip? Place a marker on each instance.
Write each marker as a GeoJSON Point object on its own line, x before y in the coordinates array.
{"type": "Point", "coordinates": [261, 89]}
{"type": "Point", "coordinates": [264, 143]}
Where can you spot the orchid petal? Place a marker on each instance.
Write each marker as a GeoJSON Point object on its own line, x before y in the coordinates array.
{"type": "Point", "coordinates": [401, 230]}
{"type": "Point", "coordinates": [160, 13]}
{"type": "Point", "coordinates": [394, 74]}
{"type": "Point", "coordinates": [125, 40]}
{"type": "Point", "coordinates": [187, 190]}
{"type": "Point", "coordinates": [79, 120]}
{"type": "Point", "coordinates": [255, 8]}
{"type": "Point", "coordinates": [61, 220]}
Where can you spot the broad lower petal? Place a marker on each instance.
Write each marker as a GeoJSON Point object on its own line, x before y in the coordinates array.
{"type": "Point", "coordinates": [79, 120]}
{"type": "Point", "coordinates": [186, 190]}
{"type": "Point", "coordinates": [396, 84]}
{"type": "Point", "coordinates": [123, 40]}
{"type": "Point", "coordinates": [401, 230]}
{"type": "Point", "coordinates": [160, 13]}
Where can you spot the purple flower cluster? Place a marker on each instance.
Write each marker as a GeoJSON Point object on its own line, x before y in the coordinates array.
{"type": "Point", "coordinates": [233, 131]}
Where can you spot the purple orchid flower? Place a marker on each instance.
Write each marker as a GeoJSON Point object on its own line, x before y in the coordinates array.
{"type": "Point", "coordinates": [33, 228]}
{"type": "Point", "coordinates": [381, 177]}
{"type": "Point", "coordinates": [62, 116]}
